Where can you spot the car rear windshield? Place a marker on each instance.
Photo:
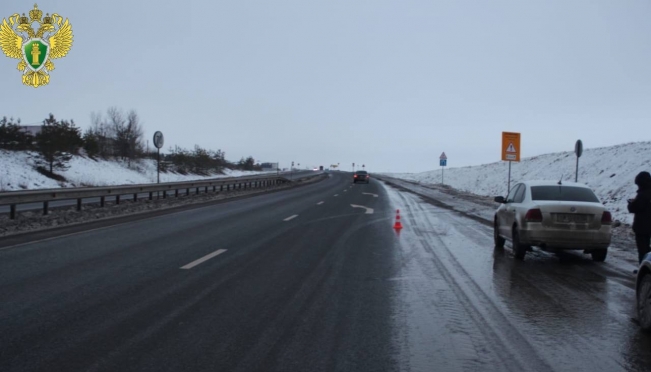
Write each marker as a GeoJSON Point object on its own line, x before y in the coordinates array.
{"type": "Point", "coordinates": [361, 172]}
{"type": "Point", "coordinates": [563, 193]}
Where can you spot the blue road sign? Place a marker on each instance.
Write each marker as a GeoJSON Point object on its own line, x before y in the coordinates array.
{"type": "Point", "coordinates": [444, 162]}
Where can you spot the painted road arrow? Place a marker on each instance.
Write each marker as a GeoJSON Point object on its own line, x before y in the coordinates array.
{"type": "Point", "coordinates": [368, 193]}
{"type": "Point", "coordinates": [368, 210]}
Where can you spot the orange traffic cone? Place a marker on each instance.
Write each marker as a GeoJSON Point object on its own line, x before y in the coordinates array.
{"type": "Point", "coordinates": [397, 225]}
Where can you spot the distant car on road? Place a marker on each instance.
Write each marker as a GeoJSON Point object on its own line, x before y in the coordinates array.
{"type": "Point", "coordinates": [553, 216]}
{"type": "Point", "coordinates": [643, 292]}
{"type": "Point", "coordinates": [361, 176]}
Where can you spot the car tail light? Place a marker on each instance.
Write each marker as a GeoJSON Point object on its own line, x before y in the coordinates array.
{"type": "Point", "coordinates": [355, 176]}
{"type": "Point", "coordinates": [533, 215]}
{"type": "Point", "coordinates": [606, 218]}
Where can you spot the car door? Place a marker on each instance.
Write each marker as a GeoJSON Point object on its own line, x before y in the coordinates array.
{"type": "Point", "coordinates": [510, 209]}
{"type": "Point", "coordinates": [505, 217]}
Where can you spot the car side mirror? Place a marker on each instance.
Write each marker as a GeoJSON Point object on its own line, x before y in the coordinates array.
{"type": "Point", "coordinates": [500, 199]}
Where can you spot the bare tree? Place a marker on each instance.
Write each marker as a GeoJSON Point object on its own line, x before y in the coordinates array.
{"type": "Point", "coordinates": [101, 134]}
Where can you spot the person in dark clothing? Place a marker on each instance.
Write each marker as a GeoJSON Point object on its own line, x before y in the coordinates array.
{"type": "Point", "coordinates": [641, 207]}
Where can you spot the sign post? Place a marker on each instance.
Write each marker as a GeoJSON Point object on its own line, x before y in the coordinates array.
{"type": "Point", "coordinates": [353, 167]}
{"type": "Point", "coordinates": [578, 150]}
{"type": "Point", "coordinates": [510, 151]}
{"type": "Point", "coordinates": [291, 172]}
{"type": "Point", "coordinates": [443, 161]}
{"type": "Point", "coordinates": [158, 142]}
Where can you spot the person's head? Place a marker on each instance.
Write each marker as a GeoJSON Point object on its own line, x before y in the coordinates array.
{"type": "Point", "coordinates": [643, 180]}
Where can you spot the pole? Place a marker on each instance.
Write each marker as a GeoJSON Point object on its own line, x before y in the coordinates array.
{"type": "Point", "coordinates": [442, 175]}
{"type": "Point", "coordinates": [509, 187]}
{"type": "Point", "coordinates": [576, 177]}
{"type": "Point", "coordinates": [158, 164]}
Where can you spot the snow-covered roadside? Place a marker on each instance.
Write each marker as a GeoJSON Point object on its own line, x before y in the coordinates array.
{"type": "Point", "coordinates": [610, 172]}
{"type": "Point", "coordinates": [17, 172]}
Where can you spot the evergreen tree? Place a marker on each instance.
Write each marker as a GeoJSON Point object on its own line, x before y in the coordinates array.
{"type": "Point", "coordinates": [12, 135]}
{"type": "Point", "coordinates": [57, 142]}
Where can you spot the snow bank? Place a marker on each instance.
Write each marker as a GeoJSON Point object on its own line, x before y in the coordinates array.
{"type": "Point", "coordinates": [610, 172]}
{"type": "Point", "coordinates": [17, 172]}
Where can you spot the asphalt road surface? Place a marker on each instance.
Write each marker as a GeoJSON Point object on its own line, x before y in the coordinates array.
{"type": "Point", "coordinates": [309, 279]}
{"type": "Point", "coordinates": [71, 202]}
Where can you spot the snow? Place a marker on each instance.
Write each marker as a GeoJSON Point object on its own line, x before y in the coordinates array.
{"type": "Point", "coordinates": [609, 171]}
{"type": "Point", "coordinates": [17, 172]}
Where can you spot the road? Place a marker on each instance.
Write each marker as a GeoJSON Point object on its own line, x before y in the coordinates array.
{"type": "Point", "coordinates": [310, 279]}
{"type": "Point", "coordinates": [141, 196]}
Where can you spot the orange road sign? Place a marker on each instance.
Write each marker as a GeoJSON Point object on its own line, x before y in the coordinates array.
{"type": "Point", "coordinates": [510, 146]}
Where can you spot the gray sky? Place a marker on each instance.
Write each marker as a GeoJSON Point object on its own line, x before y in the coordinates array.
{"type": "Point", "coordinates": [388, 84]}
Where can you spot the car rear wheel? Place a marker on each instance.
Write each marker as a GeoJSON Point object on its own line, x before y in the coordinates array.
{"type": "Point", "coordinates": [644, 303]}
{"type": "Point", "coordinates": [519, 249]}
{"type": "Point", "coordinates": [499, 241]}
{"type": "Point", "coordinates": [599, 255]}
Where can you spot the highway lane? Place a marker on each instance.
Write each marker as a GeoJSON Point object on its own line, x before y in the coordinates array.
{"type": "Point", "coordinates": [291, 294]}
{"type": "Point", "coordinates": [311, 279]}
{"type": "Point", "coordinates": [141, 196]}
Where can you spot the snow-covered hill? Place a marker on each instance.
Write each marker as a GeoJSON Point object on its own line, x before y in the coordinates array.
{"type": "Point", "coordinates": [17, 172]}
{"type": "Point", "coordinates": [610, 171]}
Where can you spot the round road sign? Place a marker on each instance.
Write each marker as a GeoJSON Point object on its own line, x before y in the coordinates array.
{"type": "Point", "coordinates": [158, 139]}
{"type": "Point", "coordinates": [578, 148]}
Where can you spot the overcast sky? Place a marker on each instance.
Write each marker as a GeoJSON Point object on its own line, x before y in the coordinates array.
{"type": "Point", "coordinates": [388, 84]}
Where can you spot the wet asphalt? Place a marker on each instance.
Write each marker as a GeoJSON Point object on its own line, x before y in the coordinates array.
{"type": "Point", "coordinates": [300, 280]}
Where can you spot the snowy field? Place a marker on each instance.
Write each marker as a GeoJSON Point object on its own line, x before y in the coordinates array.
{"type": "Point", "coordinates": [17, 173]}
{"type": "Point", "coordinates": [610, 172]}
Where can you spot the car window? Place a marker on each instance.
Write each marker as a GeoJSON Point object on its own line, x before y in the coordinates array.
{"type": "Point", "coordinates": [563, 193]}
{"type": "Point", "coordinates": [509, 199]}
{"type": "Point", "coordinates": [519, 195]}
{"type": "Point", "coordinates": [360, 172]}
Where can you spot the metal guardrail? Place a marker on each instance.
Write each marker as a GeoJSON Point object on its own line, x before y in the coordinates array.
{"type": "Point", "coordinates": [13, 198]}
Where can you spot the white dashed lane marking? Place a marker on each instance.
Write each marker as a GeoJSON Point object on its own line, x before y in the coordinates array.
{"type": "Point", "coordinates": [203, 259]}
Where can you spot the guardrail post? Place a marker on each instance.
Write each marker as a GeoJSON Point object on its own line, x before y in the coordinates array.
{"type": "Point", "coordinates": [135, 197]}
{"type": "Point", "coordinates": [187, 191]}
{"type": "Point", "coordinates": [176, 193]}
{"type": "Point", "coordinates": [12, 211]}
{"type": "Point", "coordinates": [214, 189]}
{"type": "Point", "coordinates": [206, 190]}
{"type": "Point", "coordinates": [221, 187]}
{"type": "Point", "coordinates": [164, 194]}
{"type": "Point", "coordinates": [151, 195]}
{"type": "Point", "coordinates": [117, 199]}
{"type": "Point", "coordinates": [101, 201]}
{"type": "Point", "coordinates": [45, 205]}
{"type": "Point", "coordinates": [197, 191]}
{"type": "Point", "coordinates": [78, 204]}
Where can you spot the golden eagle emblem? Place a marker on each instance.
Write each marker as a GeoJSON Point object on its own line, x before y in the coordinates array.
{"type": "Point", "coordinates": [35, 48]}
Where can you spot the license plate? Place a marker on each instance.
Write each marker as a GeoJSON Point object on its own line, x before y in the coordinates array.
{"type": "Point", "coordinates": [571, 218]}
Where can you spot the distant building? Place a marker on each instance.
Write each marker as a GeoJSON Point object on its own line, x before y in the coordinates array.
{"type": "Point", "coordinates": [31, 129]}
{"type": "Point", "coordinates": [269, 166]}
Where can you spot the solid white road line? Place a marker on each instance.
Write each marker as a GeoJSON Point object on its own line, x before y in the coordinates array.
{"type": "Point", "coordinates": [319, 203]}
{"type": "Point", "coordinates": [336, 194]}
{"type": "Point", "coordinates": [290, 217]}
{"type": "Point", "coordinates": [203, 259]}
{"type": "Point", "coordinates": [368, 193]}
{"type": "Point", "coordinates": [345, 190]}
{"type": "Point", "coordinates": [368, 210]}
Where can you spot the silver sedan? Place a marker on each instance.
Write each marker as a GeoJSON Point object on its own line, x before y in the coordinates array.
{"type": "Point", "coordinates": [553, 216]}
